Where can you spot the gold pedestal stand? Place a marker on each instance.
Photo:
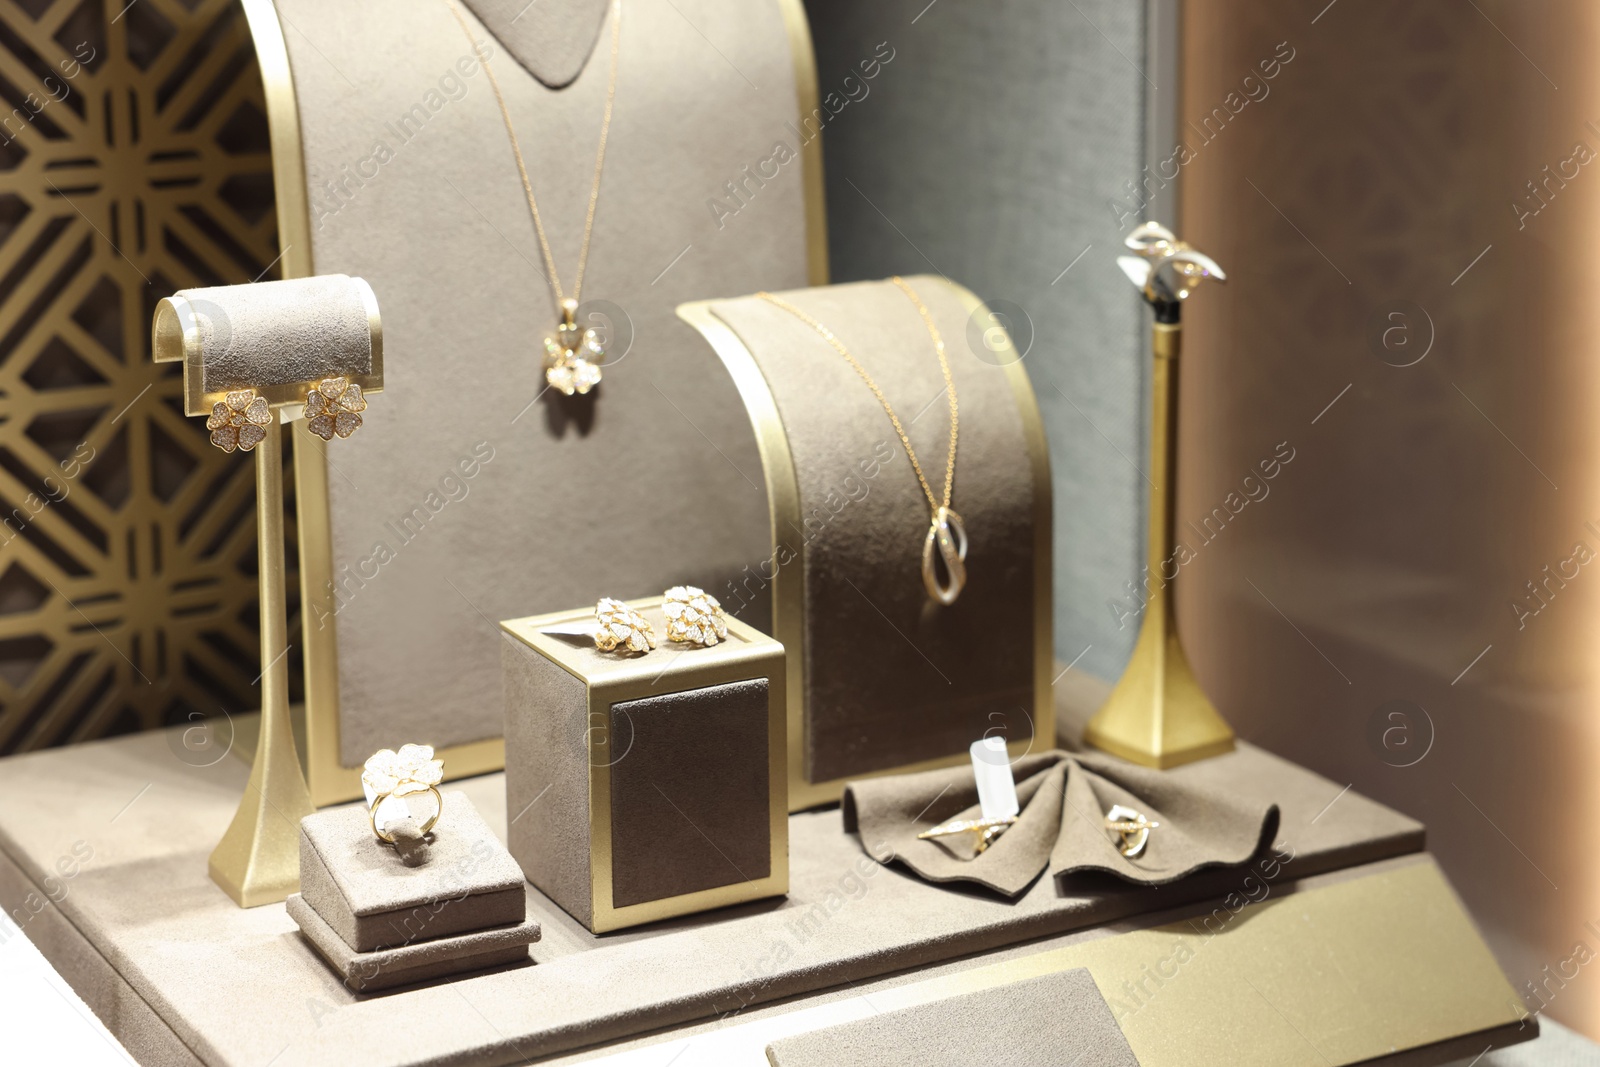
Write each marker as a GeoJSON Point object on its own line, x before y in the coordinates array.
{"type": "Point", "coordinates": [1157, 715]}
{"type": "Point", "coordinates": [258, 859]}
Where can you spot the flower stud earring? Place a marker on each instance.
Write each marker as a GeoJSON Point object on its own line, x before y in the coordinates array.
{"type": "Point", "coordinates": [621, 628]}
{"type": "Point", "coordinates": [694, 617]}
{"type": "Point", "coordinates": [237, 419]}
{"type": "Point", "coordinates": [332, 406]}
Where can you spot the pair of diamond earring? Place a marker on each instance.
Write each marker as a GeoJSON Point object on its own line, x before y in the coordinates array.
{"type": "Point", "coordinates": [694, 617]}
{"type": "Point", "coordinates": [238, 420]}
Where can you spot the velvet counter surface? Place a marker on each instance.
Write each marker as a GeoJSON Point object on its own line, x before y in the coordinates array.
{"type": "Point", "coordinates": [219, 985]}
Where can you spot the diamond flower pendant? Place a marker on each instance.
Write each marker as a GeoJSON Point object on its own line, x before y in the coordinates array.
{"type": "Point", "coordinates": [572, 356]}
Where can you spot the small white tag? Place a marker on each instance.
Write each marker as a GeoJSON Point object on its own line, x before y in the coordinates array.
{"type": "Point", "coordinates": [997, 790]}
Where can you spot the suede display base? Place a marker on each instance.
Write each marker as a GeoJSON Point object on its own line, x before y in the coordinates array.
{"type": "Point", "coordinates": [386, 968]}
{"type": "Point", "coordinates": [1055, 1019]}
{"type": "Point", "coordinates": [366, 893]}
{"type": "Point", "coordinates": [233, 984]}
{"type": "Point", "coordinates": [1064, 797]}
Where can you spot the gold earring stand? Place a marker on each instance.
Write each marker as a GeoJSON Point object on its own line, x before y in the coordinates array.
{"type": "Point", "coordinates": [258, 859]}
{"type": "Point", "coordinates": [1157, 715]}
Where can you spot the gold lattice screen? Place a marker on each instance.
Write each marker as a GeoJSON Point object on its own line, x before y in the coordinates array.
{"type": "Point", "coordinates": [133, 162]}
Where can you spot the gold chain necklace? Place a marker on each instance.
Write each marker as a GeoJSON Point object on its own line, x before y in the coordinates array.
{"type": "Point", "coordinates": [946, 534]}
{"type": "Point", "coordinates": [572, 357]}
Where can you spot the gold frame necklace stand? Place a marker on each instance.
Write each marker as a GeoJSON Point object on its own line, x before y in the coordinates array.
{"type": "Point", "coordinates": [1157, 715]}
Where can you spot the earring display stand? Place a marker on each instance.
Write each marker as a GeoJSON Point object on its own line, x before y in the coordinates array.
{"type": "Point", "coordinates": [1158, 715]}
{"type": "Point", "coordinates": [257, 861]}
{"type": "Point", "coordinates": [265, 337]}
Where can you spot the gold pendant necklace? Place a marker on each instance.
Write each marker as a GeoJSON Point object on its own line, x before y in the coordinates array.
{"type": "Point", "coordinates": [573, 356]}
{"type": "Point", "coordinates": [946, 538]}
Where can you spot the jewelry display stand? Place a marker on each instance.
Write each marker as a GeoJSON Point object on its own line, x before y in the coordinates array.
{"type": "Point", "coordinates": [252, 355]}
{"type": "Point", "coordinates": [480, 496]}
{"type": "Point", "coordinates": [645, 787]}
{"type": "Point", "coordinates": [380, 923]}
{"type": "Point", "coordinates": [881, 676]}
{"type": "Point", "coordinates": [181, 976]}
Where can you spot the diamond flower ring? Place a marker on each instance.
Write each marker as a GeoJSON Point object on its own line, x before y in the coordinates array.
{"type": "Point", "coordinates": [389, 777]}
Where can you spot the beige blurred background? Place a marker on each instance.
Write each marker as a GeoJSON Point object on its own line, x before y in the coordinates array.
{"type": "Point", "coordinates": [1379, 175]}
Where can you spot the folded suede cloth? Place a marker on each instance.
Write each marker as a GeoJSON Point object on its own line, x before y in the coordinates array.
{"type": "Point", "coordinates": [1064, 798]}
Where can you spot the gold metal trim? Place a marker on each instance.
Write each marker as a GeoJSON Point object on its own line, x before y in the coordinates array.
{"type": "Point", "coordinates": [748, 653]}
{"type": "Point", "coordinates": [811, 173]}
{"type": "Point", "coordinates": [788, 583]}
{"type": "Point", "coordinates": [330, 781]}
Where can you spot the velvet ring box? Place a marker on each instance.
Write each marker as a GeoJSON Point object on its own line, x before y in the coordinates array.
{"type": "Point", "coordinates": [641, 787]}
{"type": "Point", "coordinates": [380, 923]}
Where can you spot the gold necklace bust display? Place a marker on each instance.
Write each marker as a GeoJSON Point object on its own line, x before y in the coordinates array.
{"type": "Point", "coordinates": [572, 357]}
{"type": "Point", "coordinates": [946, 536]}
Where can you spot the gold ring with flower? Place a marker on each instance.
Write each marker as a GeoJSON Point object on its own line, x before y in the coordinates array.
{"type": "Point", "coordinates": [372, 812]}
{"type": "Point", "coordinates": [400, 774]}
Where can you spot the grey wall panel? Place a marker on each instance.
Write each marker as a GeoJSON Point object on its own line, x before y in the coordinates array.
{"type": "Point", "coordinates": [996, 146]}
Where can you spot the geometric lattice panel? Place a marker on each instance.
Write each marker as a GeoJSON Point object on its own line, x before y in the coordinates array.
{"type": "Point", "coordinates": [134, 162]}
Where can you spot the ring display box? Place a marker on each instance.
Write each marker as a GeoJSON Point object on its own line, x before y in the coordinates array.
{"type": "Point", "coordinates": [641, 787]}
{"type": "Point", "coordinates": [883, 678]}
{"type": "Point", "coordinates": [380, 923]}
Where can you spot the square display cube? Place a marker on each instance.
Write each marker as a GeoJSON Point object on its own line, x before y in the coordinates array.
{"type": "Point", "coordinates": [642, 787]}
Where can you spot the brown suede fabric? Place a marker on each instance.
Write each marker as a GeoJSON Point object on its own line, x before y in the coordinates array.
{"type": "Point", "coordinates": [547, 776]}
{"type": "Point", "coordinates": [1064, 798]}
{"type": "Point", "coordinates": [890, 677]}
{"type": "Point", "coordinates": [1039, 1022]}
{"type": "Point", "coordinates": [689, 808]}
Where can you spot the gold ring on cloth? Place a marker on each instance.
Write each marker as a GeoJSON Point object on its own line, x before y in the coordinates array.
{"type": "Point", "coordinates": [1131, 827]}
{"type": "Point", "coordinates": [983, 830]}
{"type": "Point", "coordinates": [388, 838]}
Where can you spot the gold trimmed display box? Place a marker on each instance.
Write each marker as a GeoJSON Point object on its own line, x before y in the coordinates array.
{"type": "Point", "coordinates": [645, 786]}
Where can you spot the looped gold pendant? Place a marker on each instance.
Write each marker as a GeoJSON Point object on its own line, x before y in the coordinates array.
{"type": "Point", "coordinates": [948, 536]}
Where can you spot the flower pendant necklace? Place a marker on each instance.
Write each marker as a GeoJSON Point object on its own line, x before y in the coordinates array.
{"type": "Point", "coordinates": [946, 539]}
{"type": "Point", "coordinates": [572, 357]}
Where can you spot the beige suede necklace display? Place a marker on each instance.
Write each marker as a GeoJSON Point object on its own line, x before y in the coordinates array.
{"type": "Point", "coordinates": [572, 356]}
{"type": "Point", "coordinates": [946, 534]}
